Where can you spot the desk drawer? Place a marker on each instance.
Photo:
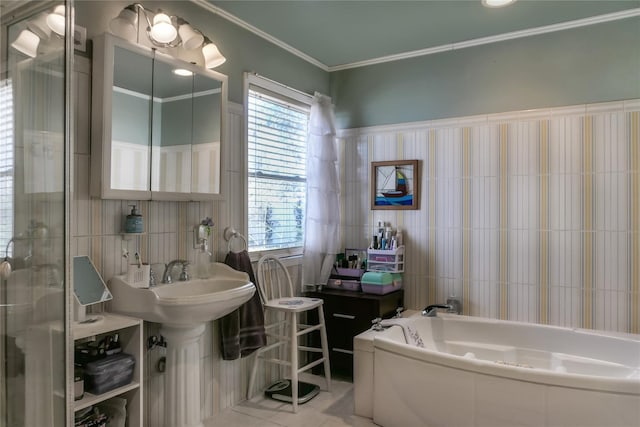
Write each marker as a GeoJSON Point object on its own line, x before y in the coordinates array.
{"type": "Point", "coordinates": [346, 315]}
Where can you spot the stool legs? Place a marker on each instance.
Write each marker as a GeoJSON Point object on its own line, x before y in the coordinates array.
{"type": "Point", "coordinates": [325, 348]}
{"type": "Point", "coordinates": [294, 361]}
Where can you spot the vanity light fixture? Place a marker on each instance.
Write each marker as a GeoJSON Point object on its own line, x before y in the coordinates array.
{"type": "Point", "coordinates": [126, 23]}
{"type": "Point", "coordinates": [497, 3]}
{"type": "Point", "coordinates": [27, 43]}
{"type": "Point", "coordinates": [191, 39]}
{"type": "Point", "coordinates": [212, 56]}
{"type": "Point", "coordinates": [55, 20]}
{"type": "Point", "coordinates": [166, 31]}
{"type": "Point", "coordinates": [162, 30]}
{"type": "Point", "coordinates": [39, 26]}
{"type": "Point", "coordinates": [40, 29]}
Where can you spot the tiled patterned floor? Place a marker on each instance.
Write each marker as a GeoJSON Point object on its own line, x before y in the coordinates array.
{"type": "Point", "coordinates": [328, 409]}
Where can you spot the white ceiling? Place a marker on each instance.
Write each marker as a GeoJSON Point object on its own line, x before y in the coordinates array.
{"type": "Point", "coordinates": [343, 34]}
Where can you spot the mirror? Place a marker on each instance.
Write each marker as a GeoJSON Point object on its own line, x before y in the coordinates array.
{"type": "Point", "coordinates": [131, 117]}
{"type": "Point", "coordinates": [88, 286]}
{"type": "Point", "coordinates": [162, 137]}
{"type": "Point", "coordinates": [205, 163]}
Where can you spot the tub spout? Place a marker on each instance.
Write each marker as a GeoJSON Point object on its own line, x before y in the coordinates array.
{"type": "Point", "coordinates": [432, 310]}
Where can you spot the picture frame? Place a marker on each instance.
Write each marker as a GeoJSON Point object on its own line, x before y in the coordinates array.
{"type": "Point", "coordinates": [395, 185]}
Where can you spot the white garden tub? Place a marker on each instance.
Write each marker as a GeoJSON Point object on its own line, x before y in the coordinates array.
{"type": "Point", "coordinates": [469, 371]}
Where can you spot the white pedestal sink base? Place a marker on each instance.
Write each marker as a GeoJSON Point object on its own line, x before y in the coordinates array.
{"type": "Point", "coordinates": [183, 309]}
{"type": "Point", "coordinates": [182, 375]}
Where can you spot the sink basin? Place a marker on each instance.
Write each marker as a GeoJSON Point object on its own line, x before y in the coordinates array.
{"type": "Point", "coordinates": [189, 303]}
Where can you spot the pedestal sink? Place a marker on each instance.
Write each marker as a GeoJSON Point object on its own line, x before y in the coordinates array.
{"type": "Point", "coordinates": [183, 309]}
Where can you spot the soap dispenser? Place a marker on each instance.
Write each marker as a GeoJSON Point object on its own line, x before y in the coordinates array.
{"type": "Point", "coordinates": [135, 223]}
{"type": "Point", "coordinates": [203, 260]}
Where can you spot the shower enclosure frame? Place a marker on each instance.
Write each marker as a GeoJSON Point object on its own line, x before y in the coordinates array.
{"type": "Point", "coordinates": [12, 15]}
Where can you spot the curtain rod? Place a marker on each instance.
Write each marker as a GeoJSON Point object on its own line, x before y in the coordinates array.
{"type": "Point", "coordinates": [286, 87]}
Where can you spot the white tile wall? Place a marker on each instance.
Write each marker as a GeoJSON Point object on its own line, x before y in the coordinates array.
{"type": "Point", "coordinates": [560, 297]}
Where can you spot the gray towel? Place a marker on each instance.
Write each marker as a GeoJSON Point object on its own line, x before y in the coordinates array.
{"type": "Point", "coordinates": [242, 330]}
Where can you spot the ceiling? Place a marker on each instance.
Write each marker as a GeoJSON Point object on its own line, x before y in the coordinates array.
{"type": "Point", "coordinates": [342, 34]}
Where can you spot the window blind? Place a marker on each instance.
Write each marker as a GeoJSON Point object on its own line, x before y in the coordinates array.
{"type": "Point", "coordinates": [277, 147]}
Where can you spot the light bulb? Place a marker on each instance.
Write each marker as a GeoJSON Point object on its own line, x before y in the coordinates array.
{"type": "Point", "coordinates": [163, 31]}
{"type": "Point", "coordinates": [191, 39]}
{"type": "Point", "coordinates": [124, 25]}
{"type": "Point", "coordinates": [56, 19]}
{"type": "Point", "coordinates": [27, 43]}
{"type": "Point", "coordinates": [212, 56]}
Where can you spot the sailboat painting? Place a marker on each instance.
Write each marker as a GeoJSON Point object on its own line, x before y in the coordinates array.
{"type": "Point", "coordinates": [395, 184]}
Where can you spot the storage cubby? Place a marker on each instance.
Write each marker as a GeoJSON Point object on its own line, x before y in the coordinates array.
{"type": "Point", "coordinates": [386, 260]}
{"type": "Point", "coordinates": [130, 336]}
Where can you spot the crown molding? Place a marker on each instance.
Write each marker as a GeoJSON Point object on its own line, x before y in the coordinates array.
{"type": "Point", "coordinates": [599, 19]}
{"type": "Point", "coordinates": [243, 24]}
{"type": "Point", "coordinates": [493, 39]}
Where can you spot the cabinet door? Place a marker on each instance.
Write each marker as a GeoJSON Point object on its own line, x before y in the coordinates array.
{"type": "Point", "coordinates": [156, 133]}
{"type": "Point", "coordinates": [172, 128]}
{"type": "Point", "coordinates": [207, 136]}
{"type": "Point", "coordinates": [121, 114]}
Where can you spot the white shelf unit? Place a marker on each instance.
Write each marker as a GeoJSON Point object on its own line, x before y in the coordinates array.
{"type": "Point", "coordinates": [386, 260]}
{"type": "Point", "coordinates": [131, 335]}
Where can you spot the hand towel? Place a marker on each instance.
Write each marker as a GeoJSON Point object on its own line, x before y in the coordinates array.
{"type": "Point", "coordinates": [242, 330]}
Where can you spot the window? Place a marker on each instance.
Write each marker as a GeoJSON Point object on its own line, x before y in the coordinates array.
{"type": "Point", "coordinates": [277, 124]}
{"type": "Point", "coordinates": [6, 164]}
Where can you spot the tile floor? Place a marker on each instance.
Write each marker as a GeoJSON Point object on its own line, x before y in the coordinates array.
{"type": "Point", "coordinates": [327, 409]}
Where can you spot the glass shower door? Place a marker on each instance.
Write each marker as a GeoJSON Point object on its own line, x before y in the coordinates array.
{"type": "Point", "coordinates": [32, 220]}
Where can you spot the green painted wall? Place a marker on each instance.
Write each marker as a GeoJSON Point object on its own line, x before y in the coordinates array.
{"type": "Point", "coordinates": [590, 64]}
{"type": "Point", "coordinates": [584, 65]}
{"type": "Point", "coordinates": [177, 122]}
{"type": "Point", "coordinates": [178, 116]}
{"type": "Point", "coordinates": [244, 50]}
{"type": "Point", "coordinates": [130, 118]}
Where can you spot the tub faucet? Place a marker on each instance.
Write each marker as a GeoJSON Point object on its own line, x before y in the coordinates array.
{"type": "Point", "coordinates": [432, 310]}
{"type": "Point", "coordinates": [166, 277]}
{"type": "Point", "coordinates": [456, 306]}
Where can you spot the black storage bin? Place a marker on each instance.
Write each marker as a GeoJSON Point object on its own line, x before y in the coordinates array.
{"type": "Point", "coordinates": [109, 373]}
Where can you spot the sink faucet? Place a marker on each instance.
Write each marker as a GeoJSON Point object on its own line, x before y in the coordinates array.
{"type": "Point", "coordinates": [166, 276]}
{"type": "Point", "coordinates": [432, 310]}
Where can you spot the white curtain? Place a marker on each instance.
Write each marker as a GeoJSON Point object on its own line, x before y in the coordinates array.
{"type": "Point", "coordinates": [322, 219]}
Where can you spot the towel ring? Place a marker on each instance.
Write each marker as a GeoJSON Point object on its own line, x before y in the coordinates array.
{"type": "Point", "coordinates": [230, 234]}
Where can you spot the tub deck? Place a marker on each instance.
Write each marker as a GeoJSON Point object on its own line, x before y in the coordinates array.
{"type": "Point", "coordinates": [460, 370]}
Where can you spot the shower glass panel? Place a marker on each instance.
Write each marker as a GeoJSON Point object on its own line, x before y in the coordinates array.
{"type": "Point", "coordinates": [32, 218]}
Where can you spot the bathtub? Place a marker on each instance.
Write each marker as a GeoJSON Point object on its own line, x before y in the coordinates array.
{"type": "Point", "coordinates": [468, 371]}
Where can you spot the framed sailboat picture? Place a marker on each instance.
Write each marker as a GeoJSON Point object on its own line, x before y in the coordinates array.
{"type": "Point", "coordinates": [395, 184]}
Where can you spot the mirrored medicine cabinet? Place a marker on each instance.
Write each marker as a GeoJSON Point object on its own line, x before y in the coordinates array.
{"type": "Point", "coordinates": [156, 133]}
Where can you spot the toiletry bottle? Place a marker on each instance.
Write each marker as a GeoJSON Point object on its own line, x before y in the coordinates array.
{"type": "Point", "coordinates": [135, 223]}
{"type": "Point", "coordinates": [203, 260]}
{"type": "Point", "coordinates": [399, 241]}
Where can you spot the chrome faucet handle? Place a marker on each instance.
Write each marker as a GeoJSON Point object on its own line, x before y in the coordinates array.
{"type": "Point", "coordinates": [456, 306]}
{"type": "Point", "coordinates": [166, 277]}
{"type": "Point", "coordinates": [432, 310]}
{"type": "Point", "coordinates": [399, 311]}
{"type": "Point", "coordinates": [184, 274]}
{"type": "Point", "coordinates": [377, 324]}
{"type": "Point", "coordinates": [152, 277]}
